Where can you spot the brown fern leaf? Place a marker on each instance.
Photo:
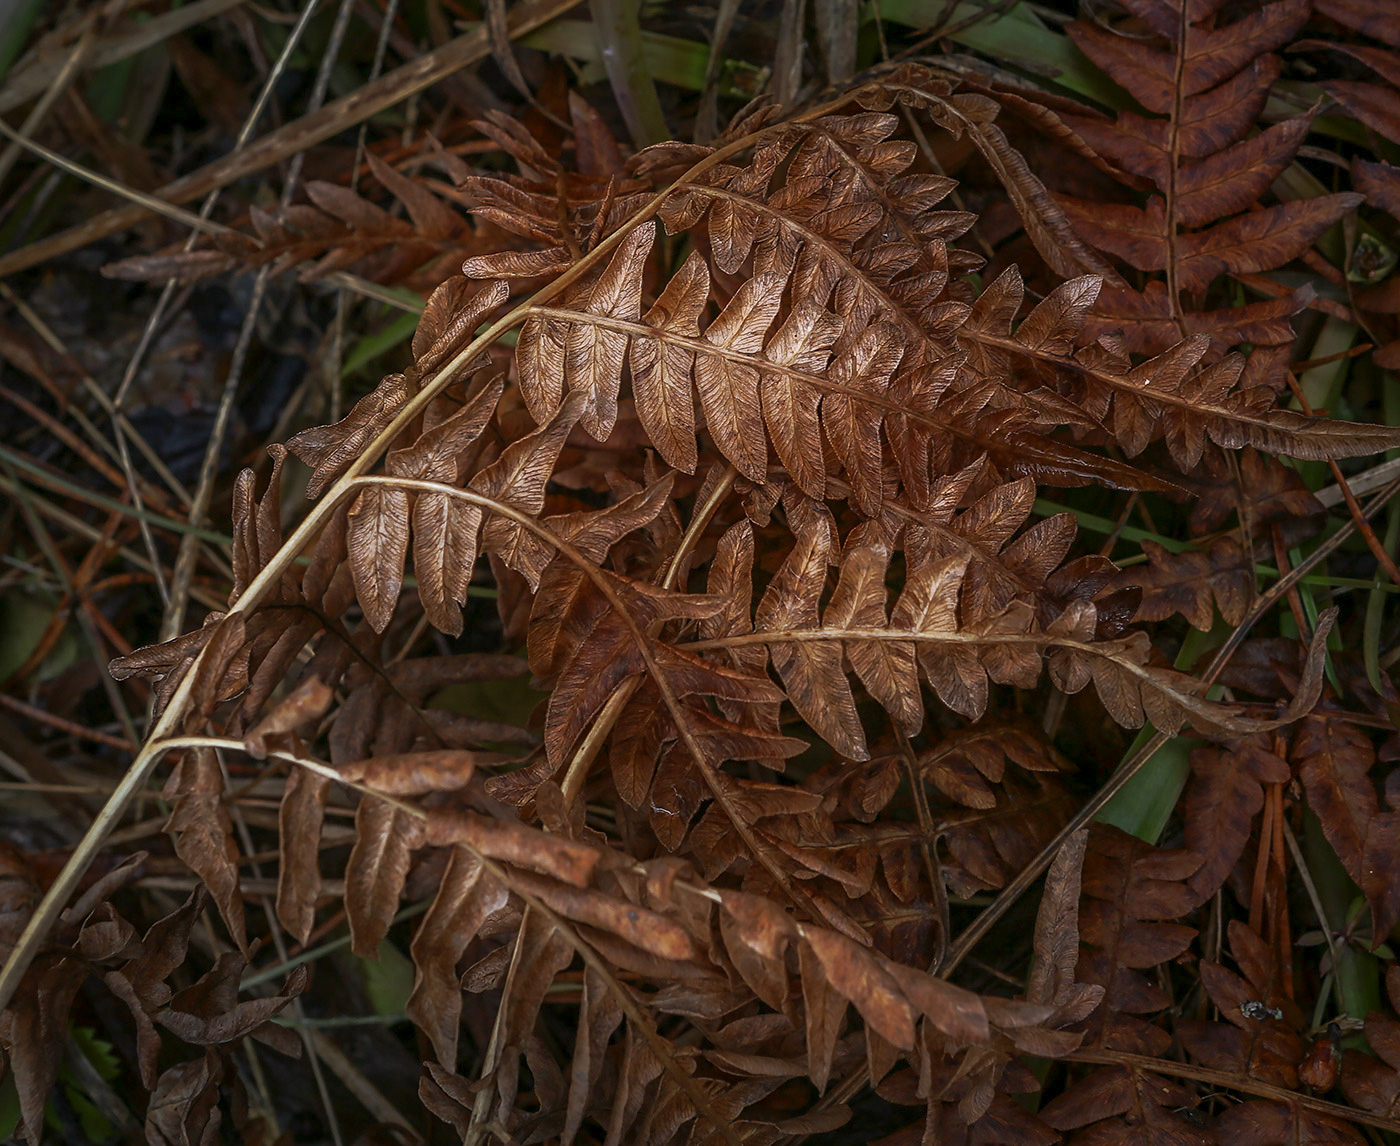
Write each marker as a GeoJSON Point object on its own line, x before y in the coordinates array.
{"type": "Point", "coordinates": [688, 927]}
{"type": "Point", "coordinates": [1263, 1121]}
{"type": "Point", "coordinates": [889, 997]}
{"type": "Point", "coordinates": [871, 332]}
{"type": "Point", "coordinates": [167, 662]}
{"type": "Point", "coordinates": [339, 230]}
{"type": "Point", "coordinates": [850, 219]}
{"type": "Point", "coordinates": [837, 239]}
{"type": "Point", "coordinates": [445, 528]}
{"type": "Point", "coordinates": [1371, 103]}
{"type": "Point", "coordinates": [561, 213]}
{"type": "Point", "coordinates": [1204, 84]}
{"type": "Point", "coordinates": [969, 1098]}
{"type": "Point", "coordinates": [1054, 980]}
{"type": "Point", "coordinates": [1003, 803]}
{"type": "Point", "coordinates": [1258, 1037]}
{"type": "Point", "coordinates": [966, 766]}
{"type": "Point", "coordinates": [1191, 582]}
{"type": "Point", "coordinates": [204, 833]}
{"type": "Point", "coordinates": [579, 636]}
{"type": "Point", "coordinates": [957, 659]}
{"type": "Point", "coordinates": [95, 941]}
{"type": "Point", "coordinates": [787, 381]}
{"type": "Point", "coordinates": [1334, 758]}
{"type": "Point", "coordinates": [1123, 1104]}
{"type": "Point", "coordinates": [1224, 796]}
{"type": "Point", "coordinates": [1133, 894]}
{"type": "Point", "coordinates": [329, 450]}
{"type": "Point", "coordinates": [1173, 395]}
{"type": "Point", "coordinates": [986, 848]}
{"type": "Point", "coordinates": [1259, 490]}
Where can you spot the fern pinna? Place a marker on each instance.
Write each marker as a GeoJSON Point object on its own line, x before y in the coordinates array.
{"type": "Point", "coordinates": [815, 539]}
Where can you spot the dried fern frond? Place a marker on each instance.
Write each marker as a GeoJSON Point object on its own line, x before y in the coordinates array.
{"type": "Point", "coordinates": [811, 447]}
{"type": "Point", "coordinates": [1203, 84]}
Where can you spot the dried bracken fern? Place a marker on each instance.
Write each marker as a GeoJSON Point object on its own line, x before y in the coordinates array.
{"type": "Point", "coordinates": [830, 443]}
{"type": "Point", "coordinates": [338, 230]}
{"type": "Point", "coordinates": [1204, 83]}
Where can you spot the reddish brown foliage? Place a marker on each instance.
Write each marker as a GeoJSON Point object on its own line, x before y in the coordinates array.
{"type": "Point", "coordinates": [802, 462]}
